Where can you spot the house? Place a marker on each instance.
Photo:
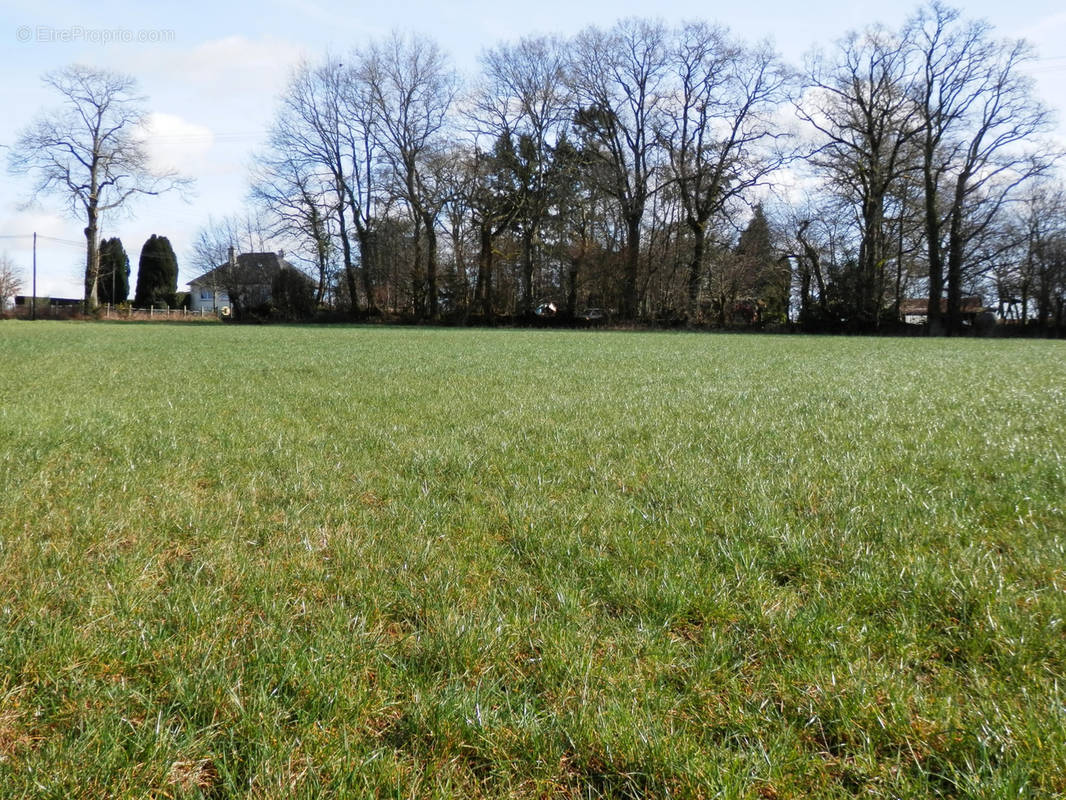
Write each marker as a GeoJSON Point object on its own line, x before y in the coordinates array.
{"type": "Point", "coordinates": [243, 282]}
{"type": "Point", "coordinates": [915, 310]}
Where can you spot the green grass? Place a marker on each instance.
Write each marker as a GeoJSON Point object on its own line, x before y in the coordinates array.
{"type": "Point", "coordinates": [347, 562]}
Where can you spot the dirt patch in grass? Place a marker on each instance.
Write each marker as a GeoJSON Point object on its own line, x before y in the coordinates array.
{"type": "Point", "coordinates": [197, 775]}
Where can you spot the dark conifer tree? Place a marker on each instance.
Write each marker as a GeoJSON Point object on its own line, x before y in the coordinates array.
{"type": "Point", "coordinates": [114, 283]}
{"type": "Point", "coordinates": [768, 277]}
{"type": "Point", "coordinates": [157, 273]}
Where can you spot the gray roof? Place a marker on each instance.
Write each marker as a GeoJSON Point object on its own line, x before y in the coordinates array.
{"type": "Point", "coordinates": [251, 269]}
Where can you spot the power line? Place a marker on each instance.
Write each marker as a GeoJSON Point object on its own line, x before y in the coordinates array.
{"type": "Point", "coordinates": [42, 236]}
{"type": "Point", "coordinates": [192, 138]}
{"type": "Point", "coordinates": [61, 241]}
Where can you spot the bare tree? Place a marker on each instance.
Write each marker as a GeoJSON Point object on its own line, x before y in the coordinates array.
{"type": "Point", "coordinates": [10, 280]}
{"type": "Point", "coordinates": [619, 78]}
{"type": "Point", "coordinates": [91, 153]}
{"type": "Point", "coordinates": [524, 99]}
{"type": "Point", "coordinates": [720, 133]}
{"type": "Point", "coordinates": [311, 157]}
{"type": "Point", "coordinates": [977, 111]}
{"type": "Point", "coordinates": [411, 87]}
{"type": "Point", "coordinates": [364, 193]}
{"type": "Point", "coordinates": [492, 201]}
{"type": "Point", "coordinates": [861, 106]}
{"type": "Point", "coordinates": [1040, 271]}
{"type": "Point", "coordinates": [301, 206]}
{"type": "Point", "coordinates": [819, 242]}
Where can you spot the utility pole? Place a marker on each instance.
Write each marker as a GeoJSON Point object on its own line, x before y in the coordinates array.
{"type": "Point", "coordinates": [33, 300]}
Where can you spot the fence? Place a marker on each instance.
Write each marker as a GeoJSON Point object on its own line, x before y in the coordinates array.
{"type": "Point", "coordinates": [118, 312]}
{"type": "Point", "coordinates": [47, 310]}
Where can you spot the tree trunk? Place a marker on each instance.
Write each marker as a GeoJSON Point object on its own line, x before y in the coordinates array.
{"type": "Point", "coordinates": [431, 266]}
{"type": "Point", "coordinates": [349, 270]}
{"type": "Point", "coordinates": [320, 290]}
{"type": "Point", "coordinates": [527, 273]}
{"type": "Point", "coordinates": [368, 259]}
{"type": "Point", "coordinates": [955, 255]}
{"type": "Point", "coordinates": [934, 323]}
{"type": "Point", "coordinates": [321, 254]}
{"type": "Point", "coordinates": [805, 289]}
{"type": "Point", "coordinates": [815, 262]}
{"type": "Point", "coordinates": [1043, 303]}
{"type": "Point", "coordinates": [459, 279]}
{"type": "Point", "coordinates": [632, 267]}
{"type": "Point", "coordinates": [92, 262]}
{"type": "Point", "coordinates": [571, 287]}
{"type": "Point", "coordinates": [484, 268]}
{"type": "Point", "coordinates": [417, 277]}
{"type": "Point", "coordinates": [871, 258]}
{"type": "Point", "coordinates": [695, 268]}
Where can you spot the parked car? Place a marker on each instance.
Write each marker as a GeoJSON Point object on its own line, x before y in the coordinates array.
{"type": "Point", "coordinates": [593, 315]}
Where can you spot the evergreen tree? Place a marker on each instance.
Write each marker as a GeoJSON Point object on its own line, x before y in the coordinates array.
{"type": "Point", "coordinates": [767, 277]}
{"type": "Point", "coordinates": [157, 273]}
{"type": "Point", "coordinates": [114, 284]}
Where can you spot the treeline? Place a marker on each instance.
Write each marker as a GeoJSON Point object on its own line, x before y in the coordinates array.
{"type": "Point", "coordinates": [673, 174]}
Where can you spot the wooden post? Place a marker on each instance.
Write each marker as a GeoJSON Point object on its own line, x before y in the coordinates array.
{"type": "Point", "coordinates": [33, 300]}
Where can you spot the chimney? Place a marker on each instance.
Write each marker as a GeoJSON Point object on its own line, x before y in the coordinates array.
{"type": "Point", "coordinates": [232, 257]}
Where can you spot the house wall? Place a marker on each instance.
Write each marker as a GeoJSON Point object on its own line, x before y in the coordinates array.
{"type": "Point", "coordinates": [204, 298]}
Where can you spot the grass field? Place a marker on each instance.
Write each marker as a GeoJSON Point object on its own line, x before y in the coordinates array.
{"type": "Point", "coordinates": [346, 562]}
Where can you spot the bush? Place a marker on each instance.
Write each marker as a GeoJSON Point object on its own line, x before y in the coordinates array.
{"type": "Point", "coordinates": [293, 296]}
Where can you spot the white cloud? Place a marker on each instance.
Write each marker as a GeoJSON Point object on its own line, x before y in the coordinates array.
{"type": "Point", "coordinates": [174, 143]}
{"type": "Point", "coordinates": [233, 65]}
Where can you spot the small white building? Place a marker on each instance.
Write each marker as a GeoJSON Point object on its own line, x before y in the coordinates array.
{"type": "Point", "coordinates": [242, 282]}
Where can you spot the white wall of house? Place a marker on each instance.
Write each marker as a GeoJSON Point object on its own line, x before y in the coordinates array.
{"type": "Point", "coordinates": [206, 298]}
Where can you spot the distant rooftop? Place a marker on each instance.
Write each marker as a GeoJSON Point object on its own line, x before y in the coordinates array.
{"type": "Point", "coordinates": [250, 269]}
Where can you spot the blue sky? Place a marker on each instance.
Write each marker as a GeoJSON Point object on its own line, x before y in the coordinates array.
{"type": "Point", "coordinates": [212, 72]}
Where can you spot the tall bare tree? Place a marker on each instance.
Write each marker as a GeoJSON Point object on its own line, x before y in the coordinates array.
{"type": "Point", "coordinates": [412, 87]}
{"type": "Point", "coordinates": [365, 194]}
{"type": "Point", "coordinates": [620, 82]}
{"type": "Point", "coordinates": [311, 154]}
{"type": "Point", "coordinates": [301, 205]}
{"type": "Point", "coordinates": [978, 122]}
{"type": "Point", "coordinates": [90, 152]}
{"type": "Point", "coordinates": [720, 132]}
{"type": "Point", "coordinates": [861, 106]}
{"type": "Point", "coordinates": [524, 98]}
{"type": "Point", "coordinates": [1041, 269]}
